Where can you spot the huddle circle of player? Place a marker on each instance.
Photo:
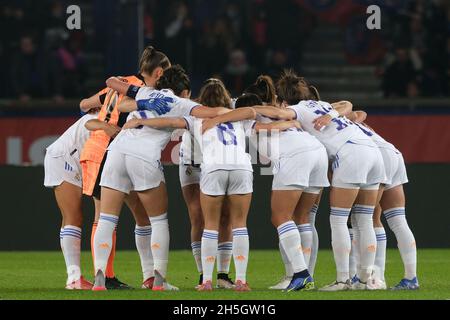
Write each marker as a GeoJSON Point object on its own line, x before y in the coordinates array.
{"type": "Point", "coordinates": [113, 154]}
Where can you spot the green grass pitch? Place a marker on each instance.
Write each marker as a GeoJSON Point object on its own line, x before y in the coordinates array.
{"type": "Point", "coordinates": [41, 275]}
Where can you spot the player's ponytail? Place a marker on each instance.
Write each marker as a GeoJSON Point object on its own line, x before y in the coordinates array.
{"type": "Point", "coordinates": [152, 59]}
{"type": "Point", "coordinates": [264, 88]}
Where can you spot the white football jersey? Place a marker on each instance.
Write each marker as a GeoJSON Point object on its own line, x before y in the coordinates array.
{"type": "Point", "coordinates": [284, 144]}
{"type": "Point", "coordinates": [223, 147]}
{"type": "Point", "coordinates": [147, 143]}
{"type": "Point", "coordinates": [379, 140]}
{"type": "Point", "coordinates": [336, 134]}
{"type": "Point", "coordinates": [71, 142]}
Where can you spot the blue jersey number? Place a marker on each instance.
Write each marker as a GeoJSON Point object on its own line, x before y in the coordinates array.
{"type": "Point", "coordinates": [226, 134]}
{"type": "Point", "coordinates": [341, 123]}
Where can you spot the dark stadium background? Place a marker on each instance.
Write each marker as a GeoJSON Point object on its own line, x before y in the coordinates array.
{"type": "Point", "coordinates": [399, 75]}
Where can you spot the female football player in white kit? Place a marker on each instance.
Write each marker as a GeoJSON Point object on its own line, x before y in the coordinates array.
{"type": "Point", "coordinates": [392, 203]}
{"type": "Point", "coordinates": [301, 164]}
{"type": "Point", "coordinates": [357, 172]}
{"type": "Point", "coordinates": [63, 174]}
{"type": "Point", "coordinates": [133, 164]}
{"type": "Point", "coordinates": [212, 93]}
{"type": "Point", "coordinates": [307, 207]}
{"type": "Point", "coordinates": [226, 175]}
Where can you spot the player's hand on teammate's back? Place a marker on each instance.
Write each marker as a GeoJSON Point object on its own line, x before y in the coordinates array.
{"type": "Point", "coordinates": [158, 105]}
{"type": "Point", "coordinates": [131, 124]}
{"type": "Point", "coordinates": [322, 121]}
{"type": "Point", "coordinates": [208, 124]}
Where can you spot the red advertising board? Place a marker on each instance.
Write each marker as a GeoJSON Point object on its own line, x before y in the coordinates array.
{"type": "Point", "coordinates": [421, 138]}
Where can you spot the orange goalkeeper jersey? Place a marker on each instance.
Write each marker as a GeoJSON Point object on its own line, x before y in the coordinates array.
{"type": "Point", "coordinates": [95, 147]}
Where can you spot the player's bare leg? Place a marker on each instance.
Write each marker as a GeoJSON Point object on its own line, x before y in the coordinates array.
{"type": "Point", "coordinates": [68, 197]}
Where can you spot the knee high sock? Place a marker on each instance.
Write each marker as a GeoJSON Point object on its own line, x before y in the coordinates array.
{"type": "Point", "coordinates": [367, 239]}
{"type": "Point", "coordinates": [406, 243]}
{"type": "Point", "coordinates": [306, 236]}
{"type": "Point", "coordinates": [225, 251]}
{"type": "Point", "coordinates": [241, 250]}
{"type": "Point", "coordinates": [103, 241]}
{"type": "Point", "coordinates": [72, 248]}
{"type": "Point", "coordinates": [210, 239]}
{"type": "Point", "coordinates": [160, 243]}
{"type": "Point", "coordinates": [197, 253]}
{"type": "Point", "coordinates": [291, 242]}
{"type": "Point", "coordinates": [143, 239]}
{"type": "Point", "coordinates": [340, 241]}
{"type": "Point", "coordinates": [315, 245]}
{"type": "Point", "coordinates": [380, 258]}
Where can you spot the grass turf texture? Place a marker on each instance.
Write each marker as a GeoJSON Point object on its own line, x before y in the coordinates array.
{"type": "Point", "coordinates": [41, 275]}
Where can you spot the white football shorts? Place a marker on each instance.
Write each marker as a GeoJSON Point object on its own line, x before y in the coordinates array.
{"type": "Point", "coordinates": [399, 176]}
{"type": "Point", "coordinates": [304, 171]}
{"type": "Point", "coordinates": [226, 182]}
{"type": "Point", "coordinates": [189, 174]}
{"type": "Point", "coordinates": [126, 173]}
{"type": "Point", "coordinates": [358, 166]}
{"type": "Point", "coordinates": [60, 169]}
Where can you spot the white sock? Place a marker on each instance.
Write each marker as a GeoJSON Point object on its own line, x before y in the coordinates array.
{"type": "Point", "coordinates": [380, 258]}
{"type": "Point", "coordinates": [103, 241]}
{"type": "Point", "coordinates": [355, 246]}
{"type": "Point", "coordinates": [209, 245]}
{"type": "Point", "coordinates": [160, 243]}
{"type": "Point", "coordinates": [72, 247]}
{"type": "Point", "coordinates": [292, 245]}
{"type": "Point", "coordinates": [61, 236]}
{"type": "Point", "coordinates": [241, 248]}
{"type": "Point", "coordinates": [406, 243]}
{"type": "Point", "coordinates": [352, 261]}
{"type": "Point", "coordinates": [225, 251]}
{"type": "Point", "coordinates": [367, 240]}
{"type": "Point", "coordinates": [306, 236]}
{"type": "Point", "coordinates": [286, 262]}
{"type": "Point", "coordinates": [143, 238]}
{"type": "Point", "coordinates": [340, 241]}
{"type": "Point", "coordinates": [315, 245]}
{"type": "Point", "coordinates": [197, 253]}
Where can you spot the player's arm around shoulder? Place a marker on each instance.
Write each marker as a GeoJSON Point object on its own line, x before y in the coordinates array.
{"type": "Point", "coordinates": [276, 113]}
{"type": "Point", "coordinates": [92, 102]}
{"type": "Point", "coordinates": [204, 112]}
{"type": "Point", "coordinates": [277, 125]}
{"type": "Point", "coordinates": [157, 123]}
{"type": "Point", "coordinates": [240, 114]}
{"type": "Point", "coordinates": [95, 125]}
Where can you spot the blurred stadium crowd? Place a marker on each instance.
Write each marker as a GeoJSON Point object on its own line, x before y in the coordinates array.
{"type": "Point", "coordinates": [234, 40]}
